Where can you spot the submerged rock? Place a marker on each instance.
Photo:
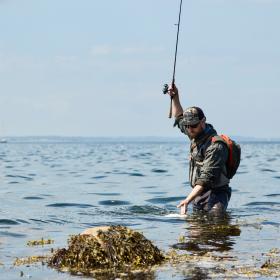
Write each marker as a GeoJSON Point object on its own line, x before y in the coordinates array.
{"type": "Point", "coordinates": [114, 247]}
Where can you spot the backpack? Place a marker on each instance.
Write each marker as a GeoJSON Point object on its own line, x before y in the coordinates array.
{"type": "Point", "coordinates": [234, 156]}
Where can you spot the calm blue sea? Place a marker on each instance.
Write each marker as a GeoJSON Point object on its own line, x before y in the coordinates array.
{"type": "Point", "coordinates": [53, 189]}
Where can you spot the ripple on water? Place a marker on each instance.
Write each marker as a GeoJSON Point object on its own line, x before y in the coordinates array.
{"type": "Point", "coordinates": [268, 170]}
{"type": "Point", "coordinates": [90, 225]}
{"type": "Point", "coordinates": [274, 224]}
{"type": "Point", "coordinates": [147, 209]}
{"type": "Point", "coordinates": [99, 177]}
{"type": "Point", "coordinates": [262, 203]}
{"type": "Point", "coordinates": [38, 221]}
{"type": "Point", "coordinates": [33, 197]}
{"type": "Point", "coordinates": [271, 159]}
{"type": "Point", "coordinates": [273, 194]}
{"type": "Point", "coordinates": [234, 190]}
{"type": "Point", "coordinates": [8, 222]}
{"type": "Point", "coordinates": [47, 195]}
{"type": "Point", "coordinates": [155, 170]}
{"type": "Point", "coordinates": [136, 174]}
{"type": "Point", "coordinates": [63, 205]}
{"type": "Point", "coordinates": [163, 200]}
{"type": "Point", "coordinates": [19, 177]}
{"type": "Point", "coordinates": [114, 202]}
{"type": "Point", "coordinates": [110, 223]}
{"type": "Point", "coordinates": [149, 187]}
{"type": "Point", "coordinates": [242, 172]}
{"type": "Point", "coordinates": [157, 192]}
{"type": "Point", "coordinates": [106, 194]}
{"type": "Point", "coordinates": [22, 221]}
{"type": "Point", "coordinates": [12, 234]}
{"type": "Point", "coordinates": [276, 177]}
{"type": "Point", "coordinates": [142, 155]}
{"type": "Point", "coordinates": [58, 221]}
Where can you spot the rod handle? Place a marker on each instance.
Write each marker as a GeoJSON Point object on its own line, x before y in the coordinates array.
{"type": "Point", "coordinates": [170, 109]}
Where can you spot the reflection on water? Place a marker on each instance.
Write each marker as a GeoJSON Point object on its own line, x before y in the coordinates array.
{"type": "Point", "coordinates": [129, 275]}
{"type": "Point", "coordinates": [208, 233]}
{"type": "Point", "coordinates": [206, 236]}
{"type": "Point", "coordinates": [196, 273]}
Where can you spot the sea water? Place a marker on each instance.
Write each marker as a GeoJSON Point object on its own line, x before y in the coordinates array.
{"type": "Point", "coordinates": [52, 189]}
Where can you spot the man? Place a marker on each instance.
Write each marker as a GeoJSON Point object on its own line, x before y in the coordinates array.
{"type": "Point", "coordinates": [207, 167]}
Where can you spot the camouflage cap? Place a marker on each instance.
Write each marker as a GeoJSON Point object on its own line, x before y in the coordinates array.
{"type": "Point", "coordinates": [192, 116]}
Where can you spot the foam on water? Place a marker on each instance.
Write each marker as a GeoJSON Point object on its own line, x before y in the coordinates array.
{"type": "Point", "coordinates": [176, 215]}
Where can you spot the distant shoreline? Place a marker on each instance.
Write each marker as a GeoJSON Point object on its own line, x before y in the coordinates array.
{"type": "Point", "coordinates": [149, 139]}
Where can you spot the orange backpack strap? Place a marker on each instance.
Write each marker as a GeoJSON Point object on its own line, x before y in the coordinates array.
{"type": "Point", "coordinates": [225, 139]}
{"type": "Point", "coordinates": [234, 153]}
{"type": "Point", "coordinates": [218, 138]}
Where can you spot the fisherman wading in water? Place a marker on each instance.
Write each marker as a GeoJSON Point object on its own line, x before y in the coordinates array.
{"type": "Point", "coordinates": [208, 159]}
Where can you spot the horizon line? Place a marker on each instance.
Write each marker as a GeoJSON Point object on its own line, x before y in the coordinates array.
{"type": "Point", "coordinates": [135, 138]}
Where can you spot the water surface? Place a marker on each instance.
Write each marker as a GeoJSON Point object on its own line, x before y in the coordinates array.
{"type": "Point", "coordinates": [52, 190]}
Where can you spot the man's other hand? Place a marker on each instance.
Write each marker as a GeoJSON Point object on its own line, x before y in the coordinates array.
{"type": "Point", "coordinates": [183, 205]}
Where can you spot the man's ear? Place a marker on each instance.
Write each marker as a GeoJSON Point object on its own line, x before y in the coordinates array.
{"type": "Point", "coordinates": [203, 123]}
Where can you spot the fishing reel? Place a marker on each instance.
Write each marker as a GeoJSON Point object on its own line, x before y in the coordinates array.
{"type": "Point", "coordinates": [165, 89]}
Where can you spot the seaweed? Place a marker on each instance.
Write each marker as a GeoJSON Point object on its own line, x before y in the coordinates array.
{"type": "Point", "coordinates": [115, 247]}
{"type": "Point", "coordinates": [228, 266]}
{"type": "Point", "coordinates": [30, 260]}
{"type": "Point", "coordinates": [41, 242]}
{"type": "Point", "coordinates": [273, 261]}
{"type": "Point", "coordinates": [119, 252]}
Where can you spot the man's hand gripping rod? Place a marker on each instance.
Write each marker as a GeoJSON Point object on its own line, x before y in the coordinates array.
{"type": "Point", "coordinates": [165, 87]}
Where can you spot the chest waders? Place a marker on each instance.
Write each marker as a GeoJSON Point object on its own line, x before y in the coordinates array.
{"type": "Point", "coordinates": [197, 155]}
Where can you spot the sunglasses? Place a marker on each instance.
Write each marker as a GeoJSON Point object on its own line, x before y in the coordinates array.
{"type": "Point", "coordinates": [192, 126]}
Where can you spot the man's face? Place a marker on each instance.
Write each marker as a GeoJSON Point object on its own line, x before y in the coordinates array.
{"type": "Point", "coordinates": [195, 130]}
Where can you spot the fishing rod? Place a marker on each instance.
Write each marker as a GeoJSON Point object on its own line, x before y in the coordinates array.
{"type": "Point", "coordinates": [165, 87]}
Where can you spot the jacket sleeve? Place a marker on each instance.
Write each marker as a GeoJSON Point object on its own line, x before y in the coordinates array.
{"type": "Point", "coordinates": [179, 123]}
{"type": "Point", "coordinates": [213, 165]}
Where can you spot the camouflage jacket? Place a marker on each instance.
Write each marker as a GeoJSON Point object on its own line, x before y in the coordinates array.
{"type": "Point", "coordinates": [207, 166]}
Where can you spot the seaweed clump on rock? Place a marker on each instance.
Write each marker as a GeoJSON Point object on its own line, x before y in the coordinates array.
{"type": "Point", "coordinates": [114, 247]}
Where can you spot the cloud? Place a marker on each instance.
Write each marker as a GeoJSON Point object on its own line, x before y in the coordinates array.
{"type": "Point", "coordinates": [141, 50]}
{"type": "Point", "coordinates": [105, 50]}
{"type": "Point", "coordinates": [10, 62]}
{"type": "Point", "coordinates": [101, 50]}
{"type": "Point", "coordinates": [65, 59]}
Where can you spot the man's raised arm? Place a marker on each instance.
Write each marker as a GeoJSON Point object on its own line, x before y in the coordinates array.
{"type": "Point", "coordinates": [177, 109]}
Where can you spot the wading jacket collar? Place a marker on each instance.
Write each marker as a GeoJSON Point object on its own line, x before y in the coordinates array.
{"type": "Point", "coordinates": [208, 132]}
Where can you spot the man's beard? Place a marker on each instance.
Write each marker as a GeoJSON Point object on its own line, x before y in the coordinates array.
{"type": "Point", "coordinates": [198, 135]}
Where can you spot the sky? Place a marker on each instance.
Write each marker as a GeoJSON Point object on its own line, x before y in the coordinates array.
{"type": "Point", "coordinates": [97, 68]}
